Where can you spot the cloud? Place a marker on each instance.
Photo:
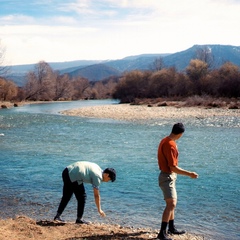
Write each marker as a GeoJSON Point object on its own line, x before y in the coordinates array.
{"type": "Point", "coordinates": [57, 30]}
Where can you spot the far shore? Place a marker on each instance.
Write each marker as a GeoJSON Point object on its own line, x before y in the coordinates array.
{"type": "Point", "coordinates": [130, 112]}
{"type": "Point", "coordinates": [127, 112]}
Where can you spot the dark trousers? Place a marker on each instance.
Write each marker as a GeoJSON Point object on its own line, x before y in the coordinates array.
{"type": "Point", "coordinates": [68, 189]}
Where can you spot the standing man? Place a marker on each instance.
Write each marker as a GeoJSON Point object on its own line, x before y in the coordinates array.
{"type": "Point", "coordinates": [73, 177]}
{"type": "Point", "coordinates": [168, 165]}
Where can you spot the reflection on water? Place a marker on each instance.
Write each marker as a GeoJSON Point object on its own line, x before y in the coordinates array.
{"type": "Point", "coordinates": [38, 143]}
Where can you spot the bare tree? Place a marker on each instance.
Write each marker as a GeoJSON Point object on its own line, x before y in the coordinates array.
{"type": "Point", "coordinates": [40, 83]}
{"type": "Point", "coordinates": [8, 90]}
{"type": "Point", "coordinates": [99, 90]}
{"type": "Point", "coordinates": [110, 87]}
{"type": "Point", "coordinates": [196, 71]}
{"type": "Point", "coordinates": [157, 64]}
{"type": "Point", "coordinates": [161, 83]}
{"type": "Point", "coordinates": [205, 54]}
{"type": "Point", "coordinates": [63, 87]}
{"type": "Point", "coordinates": [229, 80]}
{"type": "Point", "coordinates": [3, 69]}
{"type": "Point", "coordinates": [132, 85]}
{"type": "Point", "coordinates": [80, 85]}
{"type": "Point", "coordinates": [31, 87]}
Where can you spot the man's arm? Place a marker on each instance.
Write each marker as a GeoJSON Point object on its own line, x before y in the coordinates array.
{"type": "Point", "coordinates": [98, 201]}
{"type": "Point", "coordinates": [181, 171]}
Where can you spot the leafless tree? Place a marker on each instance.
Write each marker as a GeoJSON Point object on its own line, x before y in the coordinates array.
{"type": "Point", "coordinates": [161, 83]}
{"type": "Point", "coordinates": [229, 80]}
{"type": "Point", "coordinates": [132, 85]}
{"type": "Point", "coordinates": [103, 89]}
{"type": "Point", "coordinates": [110, 87]}
{"type": "Point", "coordinates": [80, 85]}
{"type": "Point", "coordinates": [8, 90]}
{"type": "Point", "coordinates": [63, 87]}
{"type": "Point", "coordinates": [196, 71]}
{"type": "Point", "coordinates": [157, 64]}
{"type": "Point", "coordinates": [99, 90]}
{"type": "Point", "coordinates": [205, 54]}
{"type": "Point", "coordinates": [3, 68]}
{"type": "Point", "coordinates": [40, 83]}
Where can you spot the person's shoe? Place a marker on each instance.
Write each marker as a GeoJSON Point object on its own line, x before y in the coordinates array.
{"type": "Point", "coordinates": [82, 221]}
{"type": "Point", "coordinates": [175, 231]}
{"type": "Point", "coordinates": [58, 219]}
{"type": "Point", "coordinates": [163, 236]}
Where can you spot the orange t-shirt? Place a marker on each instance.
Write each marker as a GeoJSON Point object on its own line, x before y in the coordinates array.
{"type": "Point", "coordinates": [167, 155]}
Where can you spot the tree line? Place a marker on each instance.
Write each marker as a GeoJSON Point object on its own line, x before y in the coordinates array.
{"type": "Point", "coordinates": [197, 79]}
{"type": "Point", "coordinates": [45, 84]}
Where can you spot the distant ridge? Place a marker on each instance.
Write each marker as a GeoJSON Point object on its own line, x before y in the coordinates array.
{"type": "Point", "coordinates": [221, 54]}
{"type": "Point", "coordinates": [95, 70]}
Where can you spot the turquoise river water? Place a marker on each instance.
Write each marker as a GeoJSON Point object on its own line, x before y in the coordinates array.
{"type": "Point", "coordinates": [37, 143]}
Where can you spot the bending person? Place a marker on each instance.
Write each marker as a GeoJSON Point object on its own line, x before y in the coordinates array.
{"type": "Point", "coordinates": [74, 176]}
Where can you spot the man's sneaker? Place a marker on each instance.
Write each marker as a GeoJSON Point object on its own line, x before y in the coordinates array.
{"type": "Point", "coordinates": [82, 221]}
{"type": "Point", "coordinates": [58, 219]}
{"type": "Point", "coordinates": [175, 231]}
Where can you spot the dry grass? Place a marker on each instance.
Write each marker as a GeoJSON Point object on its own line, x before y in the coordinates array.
{"type": "Point", "coordinates": [193, 101]}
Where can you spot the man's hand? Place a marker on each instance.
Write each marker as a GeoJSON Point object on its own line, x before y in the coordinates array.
{"type": "Point", "coordinates": [102, 213]}
{"type": "Point", "coordinates": [181, 171]}
{"type": "Point", "coordinates": [193, 175]}
{"type": "Point", "coordinates": [98, 202]}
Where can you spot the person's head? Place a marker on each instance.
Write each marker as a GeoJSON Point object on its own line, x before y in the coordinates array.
{"type": "Point", "coordinates": [178, 129]}
{"type": "Point", "coordinates": [109, 174]}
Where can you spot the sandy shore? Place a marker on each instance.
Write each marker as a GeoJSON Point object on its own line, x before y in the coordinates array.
{"type": "Point", "coordinates": [143, 112]}
{"type": "Point", "coordinates": [24, 228]}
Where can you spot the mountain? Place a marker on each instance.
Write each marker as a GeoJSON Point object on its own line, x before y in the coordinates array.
{"type": "Point", "coordinates": [96, 70]}
{"type": "Point", "coordinates": [107, 69]}
{"type": "Point", "coordinates": [55, 65]}
{"type": "Point", "coordinates": [142, 62]}
{"type": "Point", "coordinates": [18, 72]}
{"type": "Point", "coordinates": [220, 53]}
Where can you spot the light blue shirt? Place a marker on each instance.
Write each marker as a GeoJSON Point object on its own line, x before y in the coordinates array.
{"type": "Point", "coordinates": [85, 172]}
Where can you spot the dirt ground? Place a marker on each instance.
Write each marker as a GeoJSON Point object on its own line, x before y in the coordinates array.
{"type": "Point", "coordinates": [24, 228]}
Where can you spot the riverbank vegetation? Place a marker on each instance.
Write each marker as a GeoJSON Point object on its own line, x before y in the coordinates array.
{"type": "Point", "coordinates": [197, 85]}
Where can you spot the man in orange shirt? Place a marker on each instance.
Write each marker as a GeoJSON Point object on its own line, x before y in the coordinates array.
{"type": "Point", "coordinates": [168, 165]}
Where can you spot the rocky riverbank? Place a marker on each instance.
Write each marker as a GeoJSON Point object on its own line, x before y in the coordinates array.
{"type": "Point", "coordinates": [24, 228]}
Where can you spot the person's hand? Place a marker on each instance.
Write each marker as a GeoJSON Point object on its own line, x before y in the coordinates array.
{"type": "Point", "coordinates": [193, 175]}
{"type": "Point", "coordinates": [102, 213]}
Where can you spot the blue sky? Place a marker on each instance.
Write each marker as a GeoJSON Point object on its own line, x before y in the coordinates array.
{"type": "Point", "coordinates": [58, 31]}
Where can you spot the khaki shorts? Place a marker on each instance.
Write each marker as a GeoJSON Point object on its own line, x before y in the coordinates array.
{"type": "Point", "coordinates": [167, 182]}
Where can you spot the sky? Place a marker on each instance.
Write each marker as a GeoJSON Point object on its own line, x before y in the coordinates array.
{"type": "Point", "coordinates": [68, 30]}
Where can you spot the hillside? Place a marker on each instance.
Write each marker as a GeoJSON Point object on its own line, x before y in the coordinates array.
{"type": "Point", "coordinates": [96, 70]}
{"type": "Point", "coordinates": [220, 53]}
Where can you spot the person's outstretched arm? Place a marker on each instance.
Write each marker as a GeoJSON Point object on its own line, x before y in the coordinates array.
{"type": "Point", "coordinates": [98, 201]}
{"type": "Point", "coordinates": [181, 171]}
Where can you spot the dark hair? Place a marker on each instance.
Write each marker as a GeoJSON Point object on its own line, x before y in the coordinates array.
{"type": "Point", "coordinates": [178, 128]}
{"type": "Point", "coordinates": [111, 172]}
